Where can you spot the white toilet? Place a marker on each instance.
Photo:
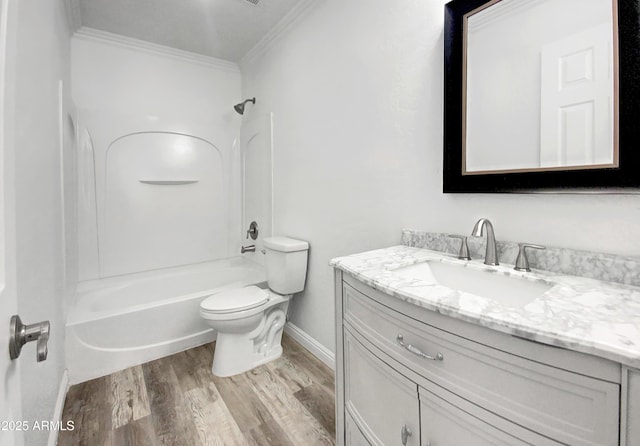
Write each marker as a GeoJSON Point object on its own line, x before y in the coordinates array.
{"type": "Point", "coordinates": [250, 320]}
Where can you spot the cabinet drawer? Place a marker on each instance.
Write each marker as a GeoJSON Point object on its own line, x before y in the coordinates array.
{"type": "Point", "coordinates": [570, 408]}
{"type": "Point", "coordinates": [380, 400]}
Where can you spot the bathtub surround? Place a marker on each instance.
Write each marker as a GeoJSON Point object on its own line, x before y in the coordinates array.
{"type": "Point", "coordinates": [605, 267]}
{"type": "Point", "coordinates": [152, 113]}
{"type": "Point", "coordinates": [376, 166]}
{"type": "Point", "coordinates": [256, 142]}
{"type": "Point", "coordinates": [584, 315]}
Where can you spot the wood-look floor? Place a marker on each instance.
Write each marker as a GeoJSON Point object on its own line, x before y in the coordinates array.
{"type": "Point", "coordinates": [177, 401]}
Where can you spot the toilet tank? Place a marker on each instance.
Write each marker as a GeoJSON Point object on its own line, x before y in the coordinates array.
{"type": "Point", "coordinates": [286, 264]}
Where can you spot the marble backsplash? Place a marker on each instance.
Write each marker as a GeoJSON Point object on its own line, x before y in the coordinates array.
{"type": "Point", "coordinates": [607, 267]}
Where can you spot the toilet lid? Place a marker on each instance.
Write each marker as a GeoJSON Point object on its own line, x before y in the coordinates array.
{"type": "Point", "coordinates": [235, 300]}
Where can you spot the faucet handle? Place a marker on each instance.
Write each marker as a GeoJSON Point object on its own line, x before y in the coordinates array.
{"type": "Point", "coordinates": [522, 262]}
{"type": "Point", "coordinates": [252, 231]}
{"type": "Point", "coordinates": [463, 254]}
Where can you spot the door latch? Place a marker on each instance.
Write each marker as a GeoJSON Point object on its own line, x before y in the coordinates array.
{"type": "Point", "coordinates": [21, 334]}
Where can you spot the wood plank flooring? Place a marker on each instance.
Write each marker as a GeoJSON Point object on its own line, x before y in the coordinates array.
{"type": "Point", "coordinates": [177, 401]}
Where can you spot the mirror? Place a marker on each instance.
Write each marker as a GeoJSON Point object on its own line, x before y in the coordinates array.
{"type": "Point", "coordinates": [533, 90]}
{"type": "Point", "coordinates": [548, 87]}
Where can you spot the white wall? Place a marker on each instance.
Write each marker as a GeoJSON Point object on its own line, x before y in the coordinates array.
{"type": "Point", "coordinates": [42, 60]}
{"type": "Point", "coordinates": [356, 89]}
{"type": "Point", "coordinates": [122, 75]}
{"type": "Point", "coordinates": [122, 86]}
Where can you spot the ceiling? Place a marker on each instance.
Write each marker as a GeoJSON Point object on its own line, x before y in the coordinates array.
{"type": "Point", "coordinates": [225, 29]}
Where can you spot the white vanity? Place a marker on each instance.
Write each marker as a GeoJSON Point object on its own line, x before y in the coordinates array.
{"type": "Point", "coordinates": [419, 363]}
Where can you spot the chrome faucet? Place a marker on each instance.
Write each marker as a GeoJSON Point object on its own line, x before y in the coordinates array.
{"type": "Point", "coordinates": [250, 248]}
{"type": "Point", "coordinates": [491, 254]}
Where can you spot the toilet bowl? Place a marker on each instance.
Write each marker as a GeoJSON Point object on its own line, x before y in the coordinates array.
{"type": "Point", "coordinates": [249, 321]}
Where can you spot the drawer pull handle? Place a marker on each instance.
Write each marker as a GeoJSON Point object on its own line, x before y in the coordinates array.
{"type": "Point", "coordinates": [416, 351]}
{"type": "Point", "coordinates": [405, 433]}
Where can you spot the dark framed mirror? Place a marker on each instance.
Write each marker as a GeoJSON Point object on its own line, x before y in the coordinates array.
{"type": "Point", "coordinates": [541, 94]}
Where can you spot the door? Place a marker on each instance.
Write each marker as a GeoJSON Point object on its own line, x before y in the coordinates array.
{"type": "Point", "coordinates": [10, 407]}
{"type": "Point", "coordinates": [576, 122]}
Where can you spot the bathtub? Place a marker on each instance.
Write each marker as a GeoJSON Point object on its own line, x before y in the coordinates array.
{"type": "Point", "coordinates": [119, 322]}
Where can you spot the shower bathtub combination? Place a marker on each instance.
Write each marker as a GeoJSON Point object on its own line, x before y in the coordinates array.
{"type": "Point", "coordinates": [160, 213]}
{"type": "Point", "coordinates": [123, 321]}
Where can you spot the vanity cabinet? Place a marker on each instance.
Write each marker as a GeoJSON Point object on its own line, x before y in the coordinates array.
{"type": "Point", "coordinates": [410, 376]}
{"type": "Point", "coordinates": [383, 403]}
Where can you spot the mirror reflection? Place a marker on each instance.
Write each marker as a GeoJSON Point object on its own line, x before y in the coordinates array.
{"type": "Point", "coordinates": [540, 88]}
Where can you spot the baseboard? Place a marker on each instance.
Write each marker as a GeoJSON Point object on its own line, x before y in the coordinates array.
{"type": "Point", "coordinates": [318, 350]}
{"type": "Point", "coordinates": [57, 411]}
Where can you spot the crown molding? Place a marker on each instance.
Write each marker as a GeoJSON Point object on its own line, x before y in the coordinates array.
{"type": "Point", "coordinates": [97, 35]}
{"type": "Point", "coordinates": [277, 32]}
{"type": "Point", "coordinates": [501, 10]}
{"type": "Point", "coordinates": [74, 17]}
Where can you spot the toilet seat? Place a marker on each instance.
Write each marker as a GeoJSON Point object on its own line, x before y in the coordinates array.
{"type": "Point", "coordinates": [232, 301]}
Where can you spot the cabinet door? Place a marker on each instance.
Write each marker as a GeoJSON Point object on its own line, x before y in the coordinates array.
{"type": "Point", "coordinates": [382, 403]}
{"type": "Point", "coordinates": [353, 436]}
{"type": "Point", "coordinates": [448, 420]}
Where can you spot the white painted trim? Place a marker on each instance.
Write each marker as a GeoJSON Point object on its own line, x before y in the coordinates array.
{"type": "Point", "coordinates": [318, 350]}
{"type": "Point", "coordinates": [62, 157]}
{"type": "Point", "coordinates": [277, 32]}
{"type": "Point", "coordinates": [96, 35]}
{"type": "Point", "coordinates": [57, 411]}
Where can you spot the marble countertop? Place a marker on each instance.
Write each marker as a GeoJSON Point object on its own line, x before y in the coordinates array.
{"type": "Point", "coordinates": [586, 315]}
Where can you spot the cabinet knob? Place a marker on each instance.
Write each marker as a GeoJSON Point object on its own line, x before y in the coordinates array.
{"type": "Point", "coordinates": [405, 433]}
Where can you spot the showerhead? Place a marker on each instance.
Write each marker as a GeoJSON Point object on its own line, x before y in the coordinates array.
{"type": "Point", "coordinates": [240, 107]}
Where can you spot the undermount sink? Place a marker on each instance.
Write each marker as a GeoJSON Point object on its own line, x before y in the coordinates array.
{"type": "Point", "coordinates": [512, 291]}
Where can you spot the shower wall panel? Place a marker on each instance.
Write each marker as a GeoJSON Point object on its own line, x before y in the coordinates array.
{"type": "Point", "coordinates": [256, 136]}
{"type": "Point", "coordinates": [159, 165]}
{"type": "Point", "coordinates": [165, 203]}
